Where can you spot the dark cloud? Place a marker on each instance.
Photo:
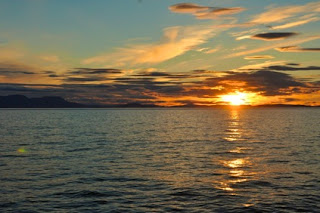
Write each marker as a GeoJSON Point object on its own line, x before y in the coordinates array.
{"type": "Point", "coordinates": [54, 76]}
{"type": "Point", "coordinates": [290, 99]}
{"type": "Point", "coordinates": [6, 72]}
{"type": "Point", "coordinates": [88, 74]}
{"type": "Point", "coordinates": [163, 75]}
{"type": "Point", "coordinates": [267, 82]}
{"type": "Point", "coordinates": [51, 74]}
{"type": "Point", "coordinates": [273, 36]}
{"type": "Point", "coordinates": [151, 87]}
{"type": "Point", "coordinates": [155, 74]}
{"type": "Point", "coordinates": [94, 71]}
{"type": "Point", "coordinates": [33, 90]}
{"type": "Point", "coordinates": [187, 8]}
{"type": "Point", "coordinates": [204, 12]}
{"type": "Point", "coordinates": [80, 79]}
{"type": "Point", "coordinates": [289, 68]}
{"type": "Point", "coordinates": [15, 88]}
{"type": "Point", "coordinates": [297, 49]}
{"type": "Point", "coordinates": [16, 69]}
{"type": "Point", "coordinates": [293, 64]}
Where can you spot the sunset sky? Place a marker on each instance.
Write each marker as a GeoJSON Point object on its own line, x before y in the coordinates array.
{"type": "Point", "coordinates": [167, 52]}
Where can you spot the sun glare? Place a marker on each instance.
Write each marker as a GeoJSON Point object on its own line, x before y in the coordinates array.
{"type": "Point", "coordinates": [236, 99]}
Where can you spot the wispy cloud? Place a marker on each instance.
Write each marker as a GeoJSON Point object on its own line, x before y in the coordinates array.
{"type": "Point", "coordinates": [50, 58]}
{"type": "Point", "coordinates": [10, 54]}
{"type": "Point", "coordinates": [216, 12]}
{"type": "Point", "coordinates": [280, 14]}
{"type": "Point", "coordinates": [259, 66]}
{"type": "Point", "coordinates": [254, 57]}
{"type": "Point", "coordinates": [297, 49]}
{"type": "Point", "coordinates": [274, 45]}
{"type": "Point", "coordinates": [295, 23]}
{"type": "Point", "coordinates": [176, 41]}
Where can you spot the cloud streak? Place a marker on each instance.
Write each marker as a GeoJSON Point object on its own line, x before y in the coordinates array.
{"type": "Point", "coordinates": [273, 46]}
{"type": "Point", "coordinates": [204, 12]}
{"type": "Point", "coordinates": [297, 49]}
{"type": "Point", "coordinates": [257, 57]}
{"type": "Point", "coordinates": [294, 24]}
{"type": "Point", "coordinates": [176, 41]}
{"type": "Point", "coordinates": [280, 14]}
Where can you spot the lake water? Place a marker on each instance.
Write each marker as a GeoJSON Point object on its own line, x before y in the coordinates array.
{"type": "Point", "coordinates": [160, 160]}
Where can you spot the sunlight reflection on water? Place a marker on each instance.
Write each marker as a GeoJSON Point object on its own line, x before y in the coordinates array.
{"type": "Point", "coordinates": [231, 174]}
{"type": "Point", "coordinates": [222, 160]}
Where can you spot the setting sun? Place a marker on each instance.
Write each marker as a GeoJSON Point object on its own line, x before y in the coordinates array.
{"type": "Point", "coordinates": [236, 99]}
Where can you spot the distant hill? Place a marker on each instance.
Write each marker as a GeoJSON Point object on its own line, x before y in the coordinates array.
{"type": "Point", "coordinates": [21, 101]}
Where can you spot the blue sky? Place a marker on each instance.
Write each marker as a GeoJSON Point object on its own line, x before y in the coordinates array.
{"type": "Point", "coordinates": [151, 35]}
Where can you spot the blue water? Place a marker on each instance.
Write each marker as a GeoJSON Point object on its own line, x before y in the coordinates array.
{"type": "Point", "coordinates": [160, 160]}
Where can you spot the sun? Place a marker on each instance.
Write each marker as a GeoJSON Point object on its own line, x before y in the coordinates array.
{"type": "Point", "coordinates": [235, 99]}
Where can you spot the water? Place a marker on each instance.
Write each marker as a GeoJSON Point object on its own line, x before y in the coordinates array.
{"type": "Point", "coordinates": [160, 160]}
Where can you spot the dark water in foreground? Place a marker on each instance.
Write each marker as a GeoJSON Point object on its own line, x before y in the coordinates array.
{"type": "Point", "coordinates": [215, 160]}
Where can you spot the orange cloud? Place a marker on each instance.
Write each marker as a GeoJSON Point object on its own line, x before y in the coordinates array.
{"type": "Point", "coordinates": [280, 14]}
{"type": "Point", "coordinates": [50, 58]}
{"type": "Point", "coordinates": [273, 46]}
{"type": "Point", "coordinates": [254, 57]}
{"type": "Point", "coordinates": [176, 41]}
{"type": "Point", "coordinates": [9, 54]}
{"type": "Point", "coordinates": [294, 24]}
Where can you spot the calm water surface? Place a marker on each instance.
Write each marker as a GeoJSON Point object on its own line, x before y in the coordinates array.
{"type": "Point", "coordinates": [160, 160]}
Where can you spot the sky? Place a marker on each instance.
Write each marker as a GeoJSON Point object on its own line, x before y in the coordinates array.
{"type": "Point", "coordinates": [166, 53]}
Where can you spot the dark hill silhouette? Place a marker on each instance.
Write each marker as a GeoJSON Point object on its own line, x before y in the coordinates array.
{"type": "Point", "coordinates": [21, 101]}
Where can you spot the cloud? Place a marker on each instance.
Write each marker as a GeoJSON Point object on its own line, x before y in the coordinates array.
{"type": "Point", "coordinates": [8, 69]}
{"type": "Point", "coordinates": [281, 14]}
{"type": "Point", "coordinates": [296, 49]}
{"type": "Point", "coordinates": [84, 79]}
{"type": "Point", "coordinates": [294, 24]}
{"type": "Point", "coordinates": [254, 57]}
{"type": "Point", "coordinates": [204, 12]}
{"type": "Point", "coordinates": [155, 88]}
{"type": "Point", "coordinates": [187, 8]}
{"type": "Point", "coordinates": [95, 71]}
{"type": "Point", "coordinates": [86, 75]}
{"type": "Point", "coordinates": [278, 66]}
{"type": "Point", "coordinates": [259, 66]}
{"type": "Point", "coordinates": [273, 46]}
{"type": "Point", "coordinates": [267, 83]}
{"type": "Point", "coordinates": [215, 12]}
{"type": "Point", "coordinates": [289, 68]}
{"type": "Point", "coordinates": [163, 75]}
{"type": "Point", "coordinates": [176, 41]}
{"type": "Point", "coordinates": [50, 58]}
{"type": "Point", "coordinates": [10, 54]}
{"type": "Point", "coordinates": [273, 36]}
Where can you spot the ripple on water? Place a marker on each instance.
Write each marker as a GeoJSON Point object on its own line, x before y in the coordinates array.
{"type": "Point", "coordinates": [215, 160]}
